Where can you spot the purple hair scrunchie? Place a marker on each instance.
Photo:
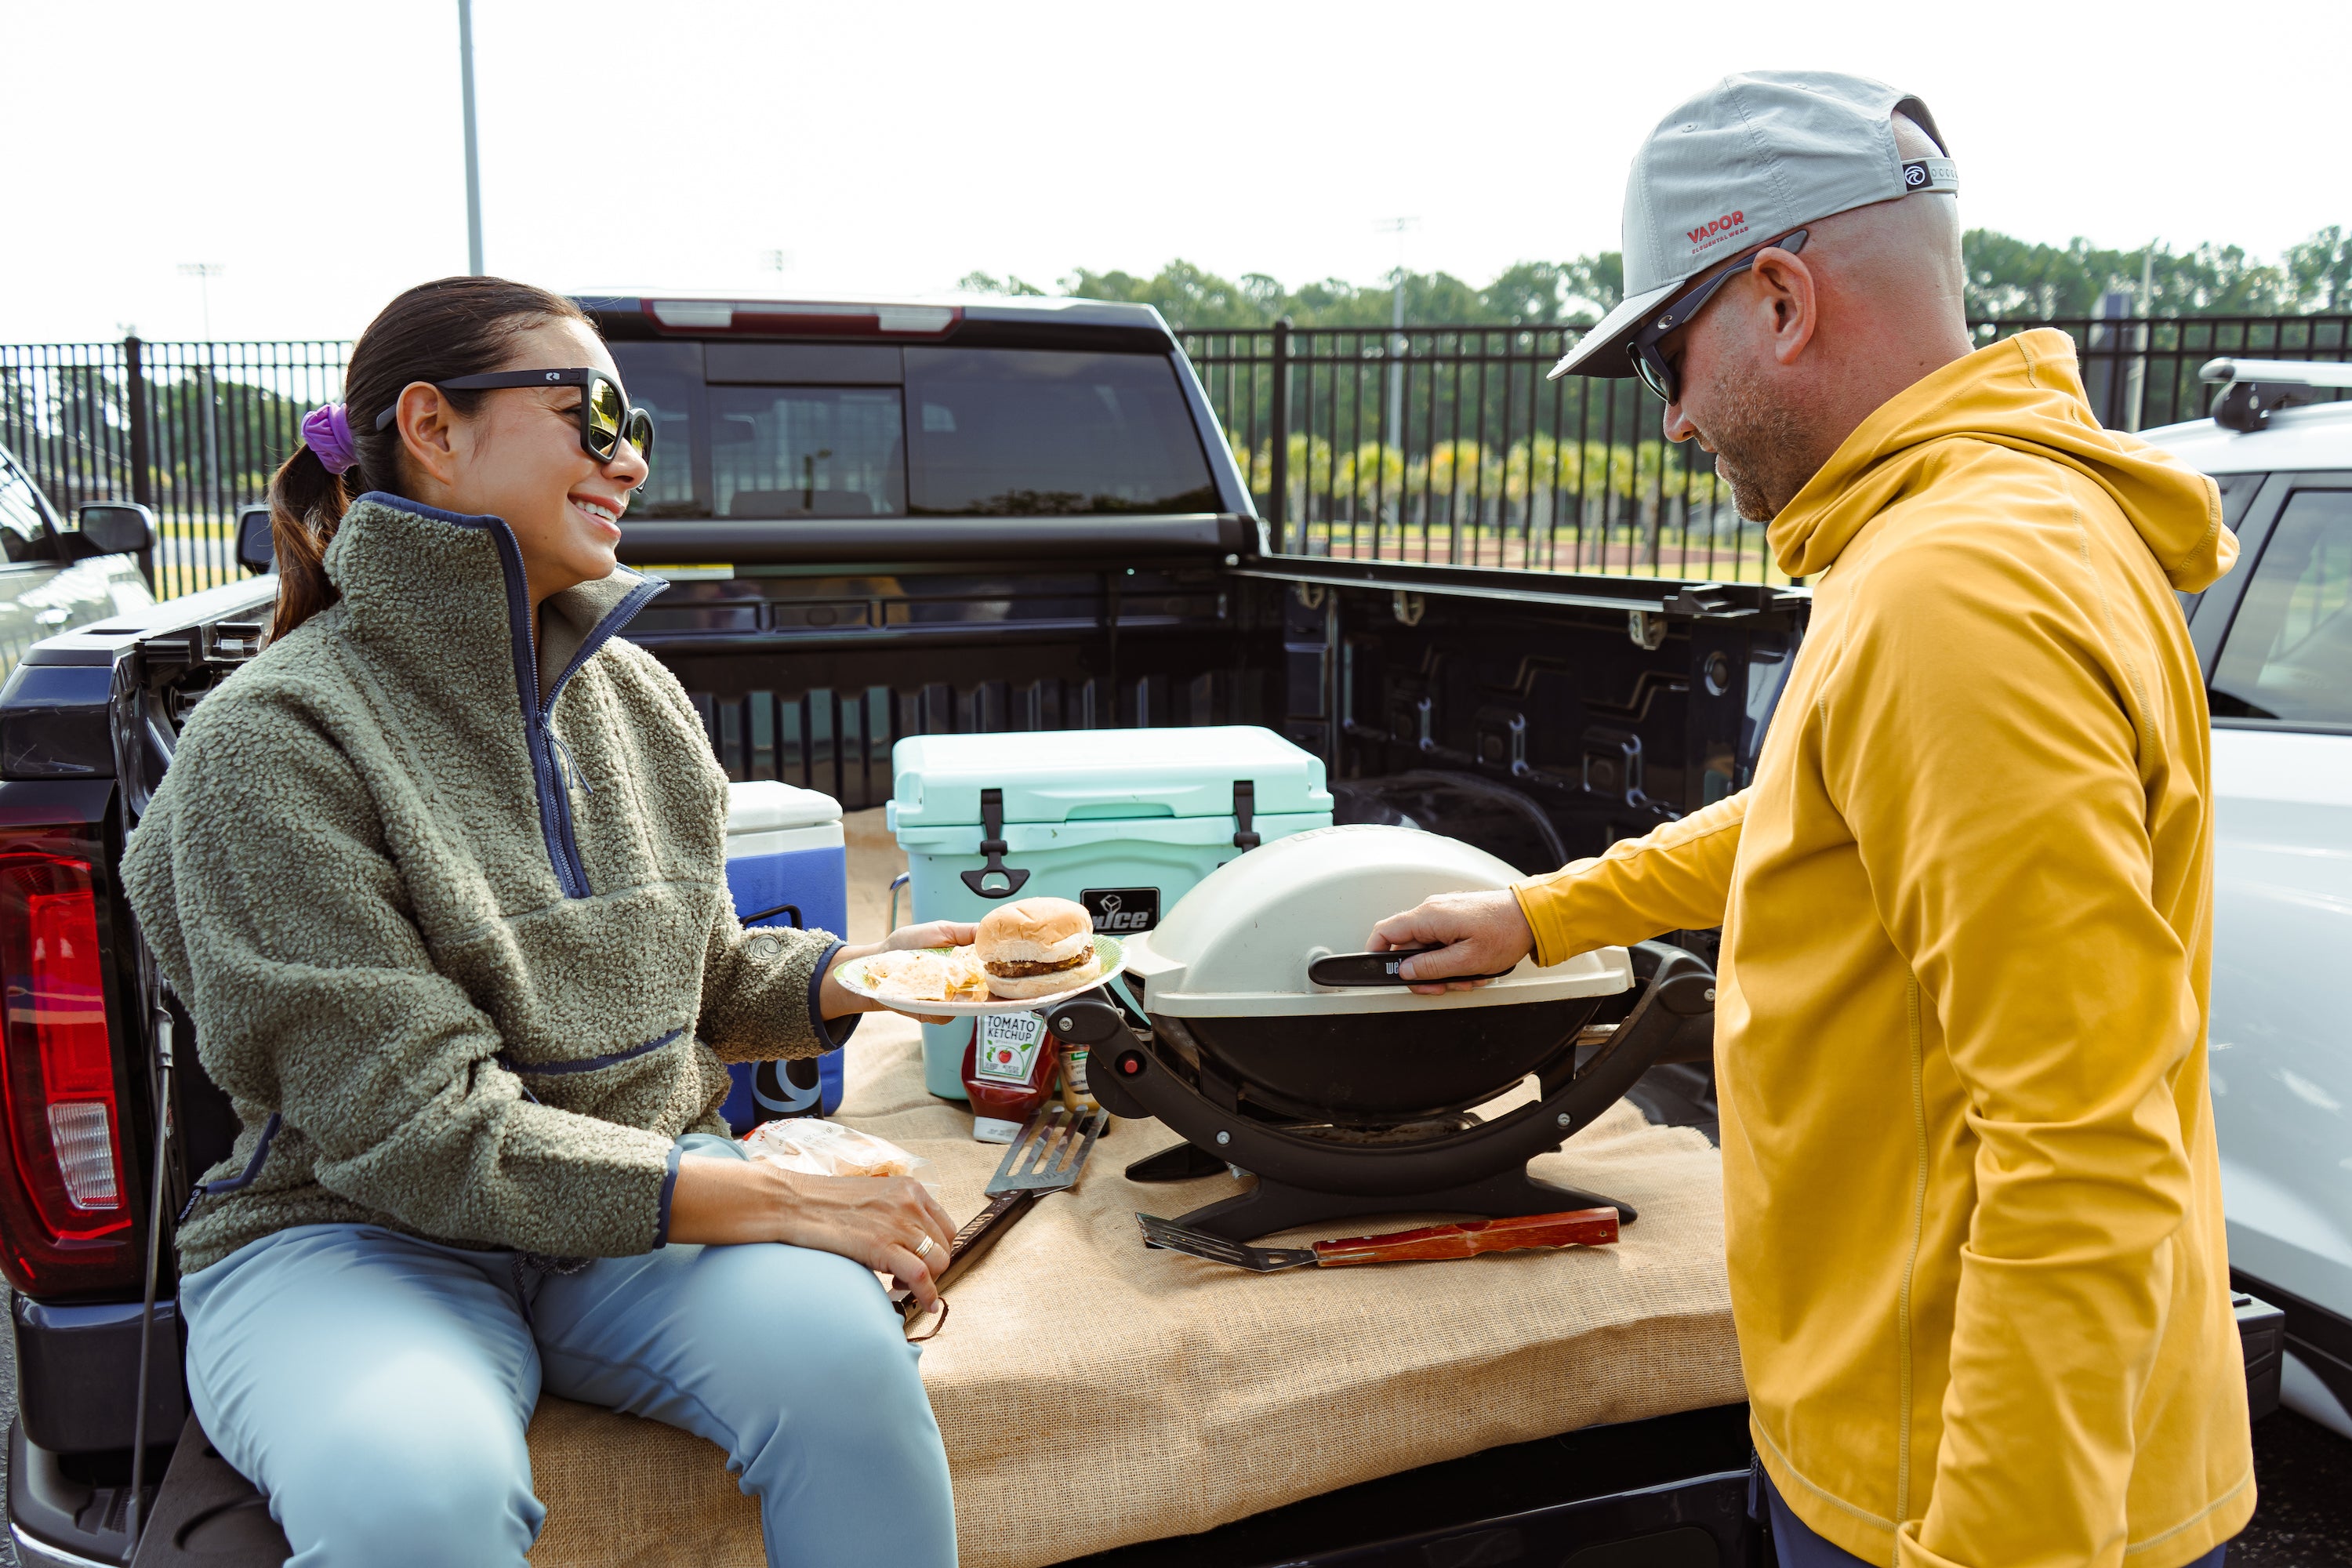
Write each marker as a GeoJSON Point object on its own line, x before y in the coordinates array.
{"type": "Point", "coordinates": [326, 433]}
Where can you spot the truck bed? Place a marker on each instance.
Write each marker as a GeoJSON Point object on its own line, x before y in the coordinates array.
{"type": "Point", "coordinates": [1541, 715]}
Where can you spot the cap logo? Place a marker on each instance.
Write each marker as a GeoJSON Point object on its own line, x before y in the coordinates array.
{"type": "Point", "coordinates": [1716, 230]}
{"type": "Point", "coordinates": [1938, 175]}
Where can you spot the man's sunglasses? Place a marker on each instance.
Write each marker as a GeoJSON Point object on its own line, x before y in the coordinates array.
{"type": "Point", "coordinates": [607, 418]}
{"type": "Point", "coordinates": [1648, 362]}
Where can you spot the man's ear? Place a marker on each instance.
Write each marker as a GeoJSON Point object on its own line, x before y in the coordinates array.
{"type": "Point", "coordinates": [1787, 289]}
{"type": "Point", "coordinates": [427, 426]}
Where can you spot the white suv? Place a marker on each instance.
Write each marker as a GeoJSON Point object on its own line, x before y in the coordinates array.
{"type": "Point", "coordinates": [2274, 637]}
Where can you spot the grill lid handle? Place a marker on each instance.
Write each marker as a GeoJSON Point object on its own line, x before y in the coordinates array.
{"type": "Point", "coordinates": [1377, 968]}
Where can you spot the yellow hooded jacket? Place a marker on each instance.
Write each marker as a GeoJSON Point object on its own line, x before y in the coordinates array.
{"type": "Point", "coordinates": [1973, 1208]}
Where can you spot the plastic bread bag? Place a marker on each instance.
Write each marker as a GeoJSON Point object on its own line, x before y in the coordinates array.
{"type": "Point", "coordinates": [819, 1148]}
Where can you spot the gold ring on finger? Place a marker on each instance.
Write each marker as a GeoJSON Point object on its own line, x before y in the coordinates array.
{"type": "Point", "coordinates": [924, 1248]}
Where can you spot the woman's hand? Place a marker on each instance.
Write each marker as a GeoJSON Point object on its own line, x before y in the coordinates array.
{"type": "Point", "coordinates": [834, 999]}
{"type": "Point", "coordinates": [881, 1222]}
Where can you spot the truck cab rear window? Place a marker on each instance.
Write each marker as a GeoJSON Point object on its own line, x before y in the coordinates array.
{"type": "Point", "coordinates": [792, 431]}
{"type": "Point", "coordinates": [807, 452]}
{"type": "Point", "coordinates": [1023, 432]}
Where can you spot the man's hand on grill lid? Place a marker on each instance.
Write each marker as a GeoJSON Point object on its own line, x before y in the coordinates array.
{"type": "Point", "coordinates": [1477, 933]}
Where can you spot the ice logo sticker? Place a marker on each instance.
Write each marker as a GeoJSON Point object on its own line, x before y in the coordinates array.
{"type": "Point", "coordinates": [1122, 912]}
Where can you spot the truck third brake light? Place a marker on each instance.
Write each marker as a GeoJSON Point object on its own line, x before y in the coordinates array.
{"type": "Point", "coordinates": [801, 318]}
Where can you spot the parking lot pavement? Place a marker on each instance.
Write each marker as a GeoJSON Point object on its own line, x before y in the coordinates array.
{"type": "Point", "coordinates": [2304, 1473]}
{"type": "Point", "coordinates": [2303, 1518]}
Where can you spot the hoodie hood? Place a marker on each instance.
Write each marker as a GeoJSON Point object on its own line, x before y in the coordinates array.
{"type": "Point", "coordinates": [2024, 393]}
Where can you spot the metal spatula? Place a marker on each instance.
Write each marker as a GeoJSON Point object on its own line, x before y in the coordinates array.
{"type": "Point", "coordinates": [1051, 1151]}
{"type": "Point", "coordinates": [1049, 1156]}
{"type": "Point", "coordinates": [1577, 1227]}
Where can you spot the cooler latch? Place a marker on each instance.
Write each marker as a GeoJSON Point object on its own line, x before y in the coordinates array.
{"type": "Point", "coordinates": [1244, 808]}
{"type": "Point", "coordinates": [992, 845]}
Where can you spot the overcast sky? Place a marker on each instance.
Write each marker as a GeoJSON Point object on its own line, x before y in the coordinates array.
{"type": "Point", "coordinates": [313, 150]}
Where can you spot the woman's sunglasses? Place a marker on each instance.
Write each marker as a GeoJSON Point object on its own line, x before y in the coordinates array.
{"type": "Point", "coordinates": [1648, 362]}
{"type": "Point", "coordinates": [607, 418]}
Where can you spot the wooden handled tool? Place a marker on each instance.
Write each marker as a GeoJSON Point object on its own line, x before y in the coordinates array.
{"type": "Point", "coordinates": [1577, 1227]}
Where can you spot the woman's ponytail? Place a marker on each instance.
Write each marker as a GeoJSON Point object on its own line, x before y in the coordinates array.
{"type": "Point", "coordinates": [435, 332]}
{"type": "Point", "coordinates": [306, 507]}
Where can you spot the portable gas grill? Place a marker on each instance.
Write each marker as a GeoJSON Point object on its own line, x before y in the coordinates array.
{"type": "Point", "coordinates": [1274, 1045]}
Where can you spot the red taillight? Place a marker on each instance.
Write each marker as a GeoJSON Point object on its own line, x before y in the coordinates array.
{"type": "Point", "coordinates": [64, 1127]}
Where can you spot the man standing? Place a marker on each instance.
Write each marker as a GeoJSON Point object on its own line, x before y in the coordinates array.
{"type": "Point", "coordinates": [1973, 1208]}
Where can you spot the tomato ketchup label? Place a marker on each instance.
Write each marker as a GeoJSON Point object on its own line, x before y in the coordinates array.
{"type": "Point", "coordinates": [1008, 1069]}
{"type": "Point", "coordinates": [1007, 1047]}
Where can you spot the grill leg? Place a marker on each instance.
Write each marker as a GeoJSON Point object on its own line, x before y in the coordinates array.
{"type": "Point", "coordinates": [1184, 1162]}
{"type": "Point", "coordinates": [1272, 1206]}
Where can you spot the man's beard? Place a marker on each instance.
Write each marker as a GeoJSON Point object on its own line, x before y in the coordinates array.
{"type": "Point", "coordinates": [1758, 443]}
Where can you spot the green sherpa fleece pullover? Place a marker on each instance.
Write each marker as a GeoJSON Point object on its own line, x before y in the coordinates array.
{"type": "Point", "coordinates": [450, 911]}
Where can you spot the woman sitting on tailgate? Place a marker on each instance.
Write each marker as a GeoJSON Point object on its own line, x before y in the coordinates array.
{"type": "Point", "coordinates": [440, 876]}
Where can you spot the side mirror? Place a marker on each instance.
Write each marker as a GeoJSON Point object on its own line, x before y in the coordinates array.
{"type": "Point", "coordinates": [115, 527]}
{"type": "Point", "coordinates": [256, 548]}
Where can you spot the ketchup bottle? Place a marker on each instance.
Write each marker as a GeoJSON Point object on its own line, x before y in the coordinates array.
{"type": "Point", "coordinates": [1008, 1070]}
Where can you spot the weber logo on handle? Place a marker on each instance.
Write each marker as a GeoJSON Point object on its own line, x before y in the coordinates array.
{"type": "Point", "coordinates": [1122, 912]}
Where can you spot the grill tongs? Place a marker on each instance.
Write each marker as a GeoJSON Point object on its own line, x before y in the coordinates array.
{"type": "Point", "coordinates": [1576, 1227]}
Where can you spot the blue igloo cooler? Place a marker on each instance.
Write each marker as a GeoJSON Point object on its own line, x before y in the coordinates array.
{"type": "Point", "coordinates": [786, 865]}
{"type": "Point", "coordinates": [1124, 821]}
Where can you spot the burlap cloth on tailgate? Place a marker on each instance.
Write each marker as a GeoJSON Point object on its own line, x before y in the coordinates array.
{"type": "Point", "coordinates": [1077, 1366]}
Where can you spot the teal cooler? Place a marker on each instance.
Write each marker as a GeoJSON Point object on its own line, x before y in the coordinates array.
{"type": "Point", "coordinates": [1123, 821]}
{"type": "Point", "coordinates": [787, 864]}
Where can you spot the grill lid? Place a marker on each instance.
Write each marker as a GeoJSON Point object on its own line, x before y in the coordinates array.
{"type": "Point", "coordinates": [1239, 943]}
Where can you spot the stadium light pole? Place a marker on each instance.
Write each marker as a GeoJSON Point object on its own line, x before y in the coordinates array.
{"type": "Point", "coordinates": [208, 378]}
{"type": "Point", "coordinates": [473, 156]}
{"type": "Point", "coordinates": [1395, 429]}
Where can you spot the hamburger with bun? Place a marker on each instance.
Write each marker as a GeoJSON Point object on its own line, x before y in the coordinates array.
{"type": "Point", "coordinates": [1037, 947]}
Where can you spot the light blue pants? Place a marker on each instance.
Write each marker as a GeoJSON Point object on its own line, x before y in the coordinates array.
{"type": "Point", "coordinates": [376, 1388]}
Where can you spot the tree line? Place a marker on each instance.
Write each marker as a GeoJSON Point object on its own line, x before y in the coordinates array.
{"type": "Point", "coordinates": [2008, 278]}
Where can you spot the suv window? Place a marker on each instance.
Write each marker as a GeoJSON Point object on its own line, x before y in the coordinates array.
{"type": "Point", "coordinates": [859, 430]}
{"type": "Point", "coordinates": [20, 511]}
{"type": "Point", "coordinates": [2288, 654]}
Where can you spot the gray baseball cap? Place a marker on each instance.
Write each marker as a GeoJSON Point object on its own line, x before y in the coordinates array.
{"type": "Point", "coordinates": [1750, 159]}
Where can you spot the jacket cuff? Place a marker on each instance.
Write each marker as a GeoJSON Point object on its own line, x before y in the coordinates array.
{"type": "Point", "coordinates": [819, 1024]}
{"type": "Point", "coordinates": [668, 1188]}
{"type": "Point", "coordinates": [1538, 904]}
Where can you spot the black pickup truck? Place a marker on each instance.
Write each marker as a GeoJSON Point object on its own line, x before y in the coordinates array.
{"type": "Point", "coordinates": [881, 521]}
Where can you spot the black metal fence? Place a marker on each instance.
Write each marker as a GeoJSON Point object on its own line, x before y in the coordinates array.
{"type": "Point", "coordinates": [1449, 445]}
{"type": "Point", "coordinates": [2143, 373]}
{"type": "Point", "coordinates": [1443, 444]}
{"type": "Point", "coordinates": [193, 430]}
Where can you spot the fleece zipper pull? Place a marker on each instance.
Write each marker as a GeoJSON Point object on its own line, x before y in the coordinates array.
{"type": "Point", "coordinates": [574, 777]}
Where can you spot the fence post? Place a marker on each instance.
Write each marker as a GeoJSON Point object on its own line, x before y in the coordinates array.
{"type": "Point", "coordinates": [1281, 465]}
{"type": "Point", "coordinates": [134, 399]}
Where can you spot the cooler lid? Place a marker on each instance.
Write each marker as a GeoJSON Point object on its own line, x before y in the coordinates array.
{"type": "Point", "coordinates": [1079, 775]}
{"type": "Point", "coordinates": [765, 805]}
{"type": "Point", "coordinates": [1239, 943]}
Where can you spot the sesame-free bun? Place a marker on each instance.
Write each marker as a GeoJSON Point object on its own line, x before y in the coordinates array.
{"type": "Point", "coordinates": [1037, 947]}
{"type": "Point", "coordinates": [1034, 930]}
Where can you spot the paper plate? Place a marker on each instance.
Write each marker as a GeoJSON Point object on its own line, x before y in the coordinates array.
{"type": "Point", "coordinates": [852, 977]}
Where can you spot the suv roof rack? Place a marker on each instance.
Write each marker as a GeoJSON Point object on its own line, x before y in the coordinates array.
{"type": "Point", "coordinates": [2253, 388]}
